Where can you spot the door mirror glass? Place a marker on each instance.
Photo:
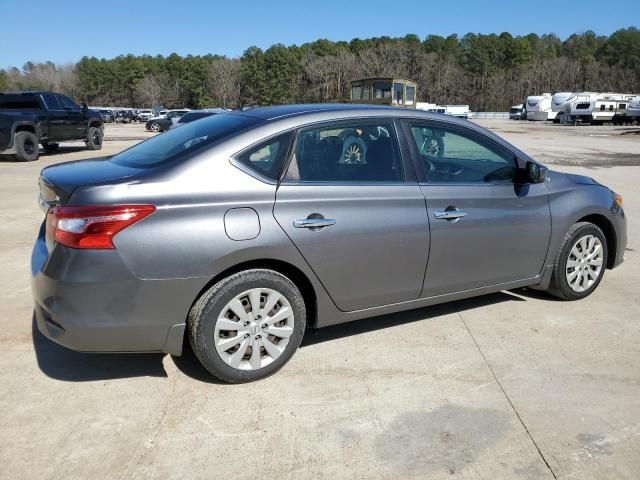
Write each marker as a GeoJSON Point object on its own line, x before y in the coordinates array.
{"type": "Point", "coordinates": [536, 173]}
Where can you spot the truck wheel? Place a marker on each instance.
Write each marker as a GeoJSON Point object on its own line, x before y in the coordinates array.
{"type": "Point", "coordinates": [50, 147]}
{"type": "Point", "coordinates": [94, 139]}
{"type": "Point", "coordinates": [26, 144]}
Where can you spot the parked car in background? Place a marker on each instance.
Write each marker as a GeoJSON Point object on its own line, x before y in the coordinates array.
{"type": "Point", "coordinates": [144, 115]}
{"type": "Point", "coordinates": [162, 122]}
{"type": "Point", "coordinates": [106, 115]}
{"type": "Point", "coordinates": [241, 229]}
{"type": "Point", "coordinates": [516, 112]}
{"type": "Point", "coordinates": [30, 119]}
{"type": "Point", "coordinates": [196, 115]}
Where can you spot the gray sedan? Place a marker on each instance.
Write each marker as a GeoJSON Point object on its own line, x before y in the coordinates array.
{"type": "Point", "coordinates": [241, 229]}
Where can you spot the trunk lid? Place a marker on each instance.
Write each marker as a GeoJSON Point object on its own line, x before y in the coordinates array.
{"type": "Point", "coordinates": [58, 182]}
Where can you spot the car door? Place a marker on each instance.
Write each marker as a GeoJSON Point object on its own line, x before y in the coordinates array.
{"type": "Point", "coordinates": [76, 125]}
{"type": "Point", "coordinates": [356, 213]}
{"type": "Point", "coordinates": [57, 118]}
{"type": "Point", "coordinates": [486, 228]}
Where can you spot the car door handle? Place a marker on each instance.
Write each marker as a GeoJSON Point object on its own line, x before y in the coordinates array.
{"type": "Point", "coordinates": [313, 223]}
{"type": "Point", "coordinates": [453, 214]}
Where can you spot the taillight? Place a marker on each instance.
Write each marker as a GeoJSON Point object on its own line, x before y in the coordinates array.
{"type": "Point", "coordinates": [93, 227]}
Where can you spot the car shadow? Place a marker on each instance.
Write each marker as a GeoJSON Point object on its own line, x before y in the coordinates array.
{"type": "Point", "coordinates": [315, 336]}
{"type": "Point", "coordinates": [60, 363]}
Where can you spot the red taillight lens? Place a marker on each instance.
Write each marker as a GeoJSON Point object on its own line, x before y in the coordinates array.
{"type": "Point", "coordinates": [93, 227]}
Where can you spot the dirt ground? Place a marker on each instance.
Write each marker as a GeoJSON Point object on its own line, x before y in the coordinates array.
{"type": "Point", "coordinates": [514, 385]}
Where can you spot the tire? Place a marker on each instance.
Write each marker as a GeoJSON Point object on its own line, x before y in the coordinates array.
{"type": "Point", "coordinates": [211, 321]}
{"type": "Point", "coordinates": [94, 139]}
{"type": "Point", "coordinates": [560, 285]}
{"type": "Point", "coordinates": [26, 145]}
{"type": "Point", "coordinates": [51, 147]}
{"type": "Point", "coordinates": [154, 127]}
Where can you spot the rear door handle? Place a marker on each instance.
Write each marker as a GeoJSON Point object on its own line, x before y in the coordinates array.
{"type": "Point", "coordinates": [453, 214]}
{"type": "Point", "coordinates": [313, 223]}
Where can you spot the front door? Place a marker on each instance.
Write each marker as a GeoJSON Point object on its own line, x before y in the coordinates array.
{"type": "Point", "coordinates": [486, 229]}
{"type": "Point", "coordinates": [75, 122]}
{"type": "Point", "coordinates": [346, 205]}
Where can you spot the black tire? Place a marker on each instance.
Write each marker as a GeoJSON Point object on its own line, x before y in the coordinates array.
{"type": "Point", "coordinates": [51, 147]}
{"type": "Point", "coordinates": [154, 127]}
{"type": "Point", "coordinates": [26, 145]}
{"type": "Point", "coordinates": [205, 312]}
{"type": "Point", "coordinates": [559, 285]}
{"type": "Point", "coordinates": [94, 139]}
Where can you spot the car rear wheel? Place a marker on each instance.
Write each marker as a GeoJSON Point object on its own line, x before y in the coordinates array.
{"type": "Point", "coordinates": [581, 262]}
{"type": "Point", "coordinates": [154, 127]}
{"type": "Point", "coordinates": [26, 145]}
{"type": "Point", "coordinates": [248, 325]}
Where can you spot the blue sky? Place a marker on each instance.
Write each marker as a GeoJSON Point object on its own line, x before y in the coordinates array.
{"type": "Point", "coordinates": [63, 31]}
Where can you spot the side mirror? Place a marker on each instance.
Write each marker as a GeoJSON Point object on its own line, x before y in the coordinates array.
{"type": "Point", "coordinates": [536, 173]}
{"type": "Point", "coordinates": [85, 108]}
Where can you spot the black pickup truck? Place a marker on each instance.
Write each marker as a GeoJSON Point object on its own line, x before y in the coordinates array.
{"type": "Point", "coordinates": [28, 119]}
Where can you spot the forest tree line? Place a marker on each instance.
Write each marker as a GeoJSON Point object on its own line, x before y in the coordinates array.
{"type": "Point", "coordinates": [488, 72]}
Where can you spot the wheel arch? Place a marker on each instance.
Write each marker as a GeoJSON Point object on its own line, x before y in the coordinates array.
{"type": "Point", "coordinates": [290, 271]}
{"type": "Point", "coordinates": [610, 236]}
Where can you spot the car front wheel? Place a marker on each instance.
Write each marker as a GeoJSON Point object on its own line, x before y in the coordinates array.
{"type": "Point", "coordinates": [581, 262]}
{"type": "Point", "coordinates": [248, 325]}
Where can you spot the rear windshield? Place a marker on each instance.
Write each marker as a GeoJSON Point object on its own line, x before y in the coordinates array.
{"type": "Point", "coordinates": [169, 145]}
{"type": "Point", "coordinates": [190, 117]}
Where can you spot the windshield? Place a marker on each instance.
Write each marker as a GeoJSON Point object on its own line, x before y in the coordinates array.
{"type": "Point", "coordinates": [166, 147]}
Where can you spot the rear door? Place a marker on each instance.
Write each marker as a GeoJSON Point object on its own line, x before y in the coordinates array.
{"type": "Point", "coordinates": [356, 213]}
{"type": "Point", "coordinates": [486, 229]}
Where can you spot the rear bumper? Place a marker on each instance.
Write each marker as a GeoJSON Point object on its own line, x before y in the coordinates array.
{"type": "Point", "coordinates": [88, 300]}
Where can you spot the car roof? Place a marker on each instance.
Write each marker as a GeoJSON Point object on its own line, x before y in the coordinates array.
{"type": "Point", "coordinates": [342, 110]}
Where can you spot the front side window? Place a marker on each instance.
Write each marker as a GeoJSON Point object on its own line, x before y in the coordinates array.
{"type": "Point", "coordinates": [267, 157]}
{"type": "Point", "coordinates": [453, 156]}
{"type": "Point", "coordinates": [175, 142]}
{"type": "Point", "coordinates": [67, 103]}
{"type": "Point", "coordinates": [352, 153]}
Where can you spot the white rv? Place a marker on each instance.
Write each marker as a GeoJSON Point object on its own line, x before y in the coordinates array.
{"type": "Point", "coordinates": [559, 99]}
{"type": "Point", "coordinates": [598, 107]}
{"type": "Point", "coordinates": [539, 107]}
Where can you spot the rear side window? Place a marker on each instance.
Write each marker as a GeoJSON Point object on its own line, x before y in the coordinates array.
{"type": "Point", "coordinates": [347, 152]}
{"type": "Point", "coordinates": [51, 101]}
{"type": "Point", "coordinates": [267, 157]}
{"type": "Point", "coordinates": [17, 102]}
{"type": "Point", "coordinates": [178, 141]}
